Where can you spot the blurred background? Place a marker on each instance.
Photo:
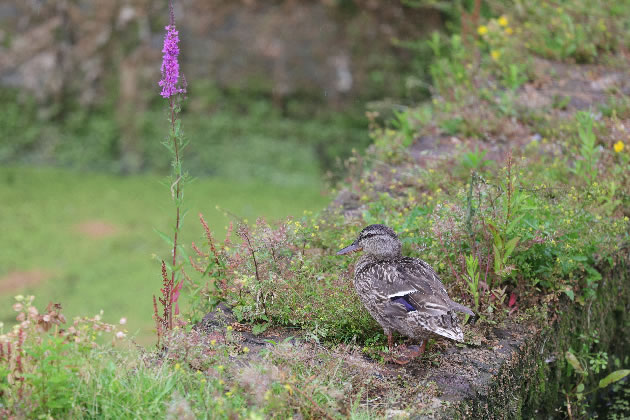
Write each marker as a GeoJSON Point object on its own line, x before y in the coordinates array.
{"type": "Point", "coordinates": [277, 96]}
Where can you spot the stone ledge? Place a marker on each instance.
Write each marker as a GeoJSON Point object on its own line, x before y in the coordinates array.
{"type": "Point", "coordinates": [521, 373]}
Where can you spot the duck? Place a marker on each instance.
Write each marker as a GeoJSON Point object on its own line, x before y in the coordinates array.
{"type": "Point", "coordinates": [403, 294]}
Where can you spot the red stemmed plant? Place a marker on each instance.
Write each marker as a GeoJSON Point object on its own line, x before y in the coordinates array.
{"type": "Point", "coordinates": [174, 92]}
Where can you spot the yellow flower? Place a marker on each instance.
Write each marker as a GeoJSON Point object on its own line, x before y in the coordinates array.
{"type": "Point", "coordinates": [503, 21]}
{"type": "Point", "coordinates": [495, 54]}
{"type": "Point", "coordinates": [482, 30]}
{"type": "Point", "coordinates": [618, 146]}
{"type": "Point", "coordinates": [509, 31]}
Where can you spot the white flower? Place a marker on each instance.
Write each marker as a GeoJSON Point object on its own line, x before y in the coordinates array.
{"type": "Point", "coordinates": [123, 321]}
{"type": "Point", "coordinates": [120, 335]}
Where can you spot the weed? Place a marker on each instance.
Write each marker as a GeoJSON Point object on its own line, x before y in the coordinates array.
{"type": "Point", "coordinates": [581, 31]}
{"type": "Point", "coordinates": [472, 269]}
{"type": "Point", "coordinates": [476, 161]}
{"type": "Point", "coordinates": [582, 363]}
{"type": "Point", "coordinates": [40, 361]}
{"type": "Point", "coordinates": [175, 144]}
{"type": "Point", "coordinates": [586, 167]}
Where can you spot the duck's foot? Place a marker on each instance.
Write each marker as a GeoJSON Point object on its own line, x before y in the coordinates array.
{"type": "Point", "coordinates": [407, 353]}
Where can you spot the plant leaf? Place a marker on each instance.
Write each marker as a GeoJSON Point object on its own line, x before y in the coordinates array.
{"type": "Point", "coordinates": [614, 377]}
{"type": "Point", "coordinates": [260, 328]}
{"type": "Point", "coordinates": [570, 294]}
{"type": "Point", "coordinates": [497, 259]}
{"type": "Point", "coordinates": [165, 237]}
{"type": "Point", "coordinates": [573, 361]}
{"type": "Point", "coordinates": [509, 247]}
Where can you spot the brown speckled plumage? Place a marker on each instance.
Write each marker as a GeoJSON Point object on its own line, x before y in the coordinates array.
{"type": "Point", "coordinates": [402, 294]}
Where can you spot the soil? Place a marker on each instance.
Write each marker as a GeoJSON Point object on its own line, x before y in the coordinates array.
{"type": "Point", "coordinates": [19, 280]}
{"type": "Point", "coordinates": [97, 229]}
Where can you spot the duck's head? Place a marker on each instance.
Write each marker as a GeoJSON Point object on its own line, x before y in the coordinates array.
{"type": "Point", "coordinates": [379, 241]}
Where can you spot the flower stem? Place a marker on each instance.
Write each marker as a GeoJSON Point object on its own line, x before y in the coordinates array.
{"type": "Point", "coordinates": [177, 176]}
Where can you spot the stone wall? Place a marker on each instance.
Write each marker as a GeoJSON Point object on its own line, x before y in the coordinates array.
{"type": "Point", "coordinates": [84, 49]}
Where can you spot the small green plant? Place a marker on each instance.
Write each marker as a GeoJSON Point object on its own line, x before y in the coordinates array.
{"type": "Point", "coordinates": [402, 122]}
{"type": "Point", "coordinates": [581, 31]}
{"type": "Point", "coordinates": [515, 76]}
{"type": "Point", "coordinates": [40, 359]}
{"type": "Point", "coordinates": [502, 248]}
{"type": "Point", "coordinates": [586, 167]}
{"type": "Point", "coordinates": [472, 268]}
{"type": "Point", "coordinates": [581, 365]}
{"type": "Point", "coordinates": [448, 69]}
{"type": "Point", "coordinates": [476, 160]}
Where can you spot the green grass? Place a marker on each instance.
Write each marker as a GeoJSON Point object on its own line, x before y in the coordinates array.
{"type": "Point", "coordinates": [41, 209]}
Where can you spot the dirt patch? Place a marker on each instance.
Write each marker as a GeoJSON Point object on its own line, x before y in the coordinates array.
{"type": "Point", "coordinates": [18, 280]}
{"type": "Point", "coordinates": [97, 229]}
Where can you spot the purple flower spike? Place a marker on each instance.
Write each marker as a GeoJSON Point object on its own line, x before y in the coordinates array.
{"type": "Point", "coordinates": [170, 66]}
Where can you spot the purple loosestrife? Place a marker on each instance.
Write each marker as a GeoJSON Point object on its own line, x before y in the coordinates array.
{"type": "Point", "coordinates": [170, 89]}
{"type": "Point", "coordinates": [170, 66]}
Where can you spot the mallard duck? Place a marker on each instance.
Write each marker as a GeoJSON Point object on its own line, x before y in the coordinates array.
{"type": "Point", "coordinates": [402, 294]}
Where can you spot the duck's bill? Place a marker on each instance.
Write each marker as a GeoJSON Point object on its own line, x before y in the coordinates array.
{"type": "Point", "coordinates": [349, 249]}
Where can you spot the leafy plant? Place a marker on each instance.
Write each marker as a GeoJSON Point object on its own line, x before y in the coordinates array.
{"type": "Point", "coordinates": [586, 167]}
{"type": "Point", "coordinates": [502, 250]}
{"type": "Point", "coordinates": [402, 123]}
{"type": "Point", "coordinates": [40, 361]}
{"type": "Point", "coordinates": [582, 365]}
{"type": "Point", "coordinates": [472, 268]}
{"type": "Point", "coordinates": [476, 160]}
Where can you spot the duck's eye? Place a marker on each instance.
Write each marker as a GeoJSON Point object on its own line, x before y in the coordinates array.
{"type": "Point", "coordinates": [368, 235]}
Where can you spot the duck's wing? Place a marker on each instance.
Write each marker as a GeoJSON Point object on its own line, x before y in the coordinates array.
{"type": "Point", "coordinates": [415, 281]}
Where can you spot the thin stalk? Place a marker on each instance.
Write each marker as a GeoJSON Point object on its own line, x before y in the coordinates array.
{"type": "Point", "coordinates": [171, 104]}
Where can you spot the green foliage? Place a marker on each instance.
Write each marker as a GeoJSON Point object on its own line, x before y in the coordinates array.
{"type": "Point", "coordinates": [244, 138]}
{"type": "Point", "coordinates": [472, 269]}
{"type": "Point", "coordinates": [18, 132]}
{"type": "Point", "coordinates": [586, 167]}
{"type": "Point", "coordinates": [518, 230]}
{"type": "Point", "coordinates": [580, 30]}
{"type": "Point", "coordinates": [42, 363]}
{"type": "Point", "coordinates": [50, 370]}
{"type": "Point", "coordinates": [585, 361]}
{"type": "Point", "coordinates": [278, 274]}
{"type": "Point", "coordinates": [448, 67]}
{"type": "Point", "coordinates": [402, 124]}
